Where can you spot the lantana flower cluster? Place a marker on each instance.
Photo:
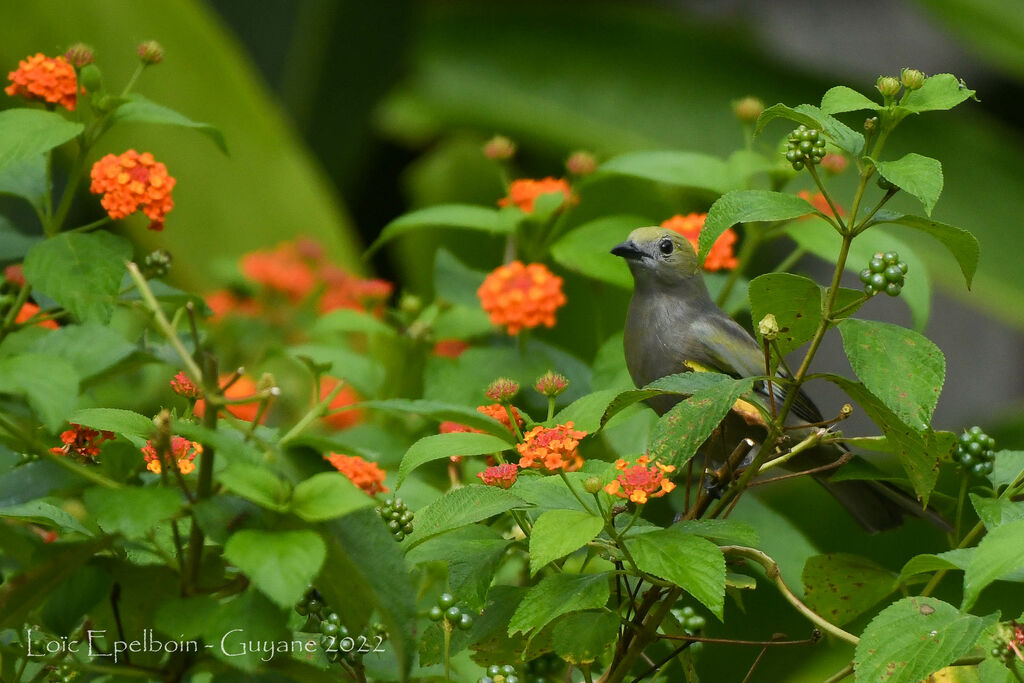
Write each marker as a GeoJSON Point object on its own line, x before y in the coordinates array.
{"type": "Point", "coordinates": [133, 181]}
{"type": "Point", "coordinates": [51, 79]}
{"type": "Point", "coordinates": [520, 296]}
{"type": "Point", "coordinates": [183, 453]}
{"type": "Point", "coordinates": [689, 226]}
{"type": "Point", "coordinates": [639, 481]}
{"type": "Point", "coordinates": [82, 441]}
{"type": "Point", "coordinates": [366, 475]}
{"type": "Point", "coordinates": [551, 448]}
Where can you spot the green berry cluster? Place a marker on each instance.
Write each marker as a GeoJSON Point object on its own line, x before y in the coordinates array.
{"type": "Point", "coordinates": [397, 515]}
{"type": "Point", "coordinates": [691, 621]}
{"type": "Point", "coordinates": [975, 451]}
{"type": "Point", "coordinates": [500, 674]}
{"type": "Point", "coordinates": [62, 674]}
{"type": "Point", "coordinates": [885, 273]}
{"type": "Point", "coordinates": [804, 146]}
{"type": "Point", "coordinates": [311, 604]}
{"type": "Point", "coordinates": [446, 609]}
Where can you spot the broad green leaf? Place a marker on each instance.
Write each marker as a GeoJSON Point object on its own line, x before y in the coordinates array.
{"type": "Point", "coordinates": [586, 412]}
{"type": "Point", "coordinates": [918, 175]}
{"type": "Point", "coordinates": [26, 179]}
{"type": "Point", "coordinates": [901, 367]}
{"type": "Point", "coordinates": [550, 493]}
{"type": "Point", "coordinates": [747, 206]}
{"type": "Point", "coordinates": [461, 216]}
{"type": "Point", "coordinates": [131, 510]}
{"type": "Point", "coordinates": [28, 133]}
{"type": "Point", "coordinates": [842, 99]}
{"type": "Point", "coordinates": [585, 249]}
{"type": "Point", "coordinates": [80, 271]}
{"type": "Point", "coordinates": [960, 243]}
{"type": "Point", "coordinates": [693, 563]}
{"type": "Point", "coordinates": [48, 383]}
{"type": "Point", "coordinates": [686, 383]}
{"type": "Point", "coordinates": [440, 411]}
{"type": "Point", "coordinates": [34, 480]}
{"type": "Point", "coordinates": [460, 507]}
{"type": "Point", "coordinates": [1001, 552]}
{"type": "Point", "coordinates": [722, 531]}
{"type": "Point", "coordinates": [13, 244]}
{"type": "Point", "coordinates": [455, 282]}
{"type": "Point", "coordinates": [138, 109]}
{"type": "Point", "coordinates": [280, 563]}
{"type": "Point", "coordinates": [257, 484]}
{"type": "Point", "coordinates": [838, 132]}
{"type": "Point", "coordinates": [472, 554]}
{"type": "Point", "coordinates": [1009, 468]}
{"type": "Point", "coordinates": [913, 638]}
{"type": "Point", "coordinates": [957, 559]}
{"type": "Point", "coordinates": [686, 169]}
{"type": "Point", "coordinates": [462, 322]}
{"type": "Point", "coordinates": [556, 533]}
{"type": "Point", "coordinates": [125, 422]}
{"type": "Point", "coordinates": [680, 432]}
{"type": "Point", "coordinates": [582, 637]}
{"type": "Point", "coordinates": [939, 92]}
{"type": "Point", "coordinates": [559, 594]}
{"type": "Point", "coordinates": [347, 320]}
{"type": "Point", "coordinates": [782, 111]}
{"type": "Point", "coordinates": [327, 495]}
{"type": "Point", "coordinates": [73, 598]}
{"type": "Point", "coordinates": [794, 300]}
{"type": "Point", "coordinates": [996, 511]}
{"type": "Point", "coordinates": [91, 348]}
{"type": "Point", "coordinates": [42, 512]}
{"type": "Point", "coordinates": [438, 446]}
{"type": "Point", "coordinates": [842, 586]}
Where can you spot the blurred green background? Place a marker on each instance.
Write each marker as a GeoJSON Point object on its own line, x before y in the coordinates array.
{"type": "Point", "coordinates": [341, 115]}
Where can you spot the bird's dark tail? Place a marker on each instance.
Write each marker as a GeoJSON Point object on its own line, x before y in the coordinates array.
{"type": "Point", "coordinates": [878, 505]}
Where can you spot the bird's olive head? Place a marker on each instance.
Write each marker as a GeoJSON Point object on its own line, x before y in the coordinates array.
{"type": "Point", "coordinates": [658, 253]}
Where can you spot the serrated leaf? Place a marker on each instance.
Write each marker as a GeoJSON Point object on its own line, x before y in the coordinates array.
{"type": "Point", "coordinates": [28, 133]}
{"type": "Point", "coordinates": [90, 348]}
{"type": "Point", "coordinates": [842, 586]}
{"type": "Point", "coordinates": [460, 507]}
{"type": "Point", "coordinates": [746, 206]}
{"type": "Point", "coordinates": [80, 271]}
{"type": "Point", "coordinates": [256, 484]}
{"type": "Point", "coordinates": [142, 110]}
{"type": "Point", "coordinates": [794, 300]}
{"type": "Point", "coordinates": [472, 554]}
{"type": "Point", "coordinates": [721, 531]}
{"type": "Point", "coordinates": [994, 512]}
{"type": "Point", "coordinates": [550, 493]}
{"type": "Point", "coordinates": [48, 383]}
{"type": "Point", "coordinates": [559, 594]}
{"type": "Point", "coordinates": [901, 367]}
{"type": "Point", "coordinates": [582, 637]}
{"type": "Point", "coordinates": [34, 480]}
{"type": "Point", "coordinates": [327, 495]}
{"type": "Point", "coordinates": [918, 175]}
{"type": "Point", "coordinates": [42, 512]}
{"type": "Point", "coordinates": [280, 563]}
{"type": "Point", "coordinates": [1001, 552]}
{"type": "Point", "coordinates": [842, 135]}
{"type": "Point", "coordinates": [74, 597]}
{"type": "Point", "coordinates": [842, 99]}
{"type": "Point", "coordinates": [957, 559]}
{"type": "Point", "coordinates": [960, 243]}
{"type": "Point", "coordinates": [938, 93]}
{"type": "Point", "coordinates": [684, 383]}
{"type": "Point", "coordinates": [460, 216]}
{"type": "Point", "coordinates": [125, 422]}
{"type": "Point", "coordinates": [438, 446]}
{"type": "Point", "coordinates": [440, 411]}
{"type": "Point", "coordinates": [556, 533]}
{"type": "Point", "coordinates": [586, 412]}
{"type": "Point", "coordinates": [1009, 467]}
{"type": "Point", "coordinates": [585, 249]}
{"type": "Point", "coordinates": [686, 169]}
{"type": "Point", "coordinates": [913, 638]}
{"type": "Point", "coordinates": [693, 563]}
{"type": "Point", "coordinates": [131, 510]}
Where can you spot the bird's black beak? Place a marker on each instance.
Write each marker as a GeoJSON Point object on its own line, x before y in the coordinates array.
{"type": "Point", "coordinates": [629, 251]}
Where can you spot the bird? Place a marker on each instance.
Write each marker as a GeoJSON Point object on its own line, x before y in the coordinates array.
{"type": "Point", "coordinates": [673, 326]}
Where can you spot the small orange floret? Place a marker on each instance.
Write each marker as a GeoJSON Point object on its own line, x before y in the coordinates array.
{"type": "Point", "coordinates": [183, 452]}
{"type": "Point", "coordinates": [523, 193]}
{"type": "Point", "coordinates": [40, 77]}
{"type": "Point", "coordinates": [82, 441]}
{"type": "Point", "coordinates": [518, 296]}
{"type": "Point", "coordinates": [345, 290]}
{"type": "Point", "coordinates": [502, 476]}
{"type": "Point", "coordinates": [28, 311]}
{"type": "Point", "coordinates": [282, 269]}
{"type": "Point", "coordinates": [132, 181]}
{"type": "Point", "coordinates": [551, 448]}
{"type": "Point", "coordinates": [450, 348]}
{"type": "Point", "coordinates": [818, 201]}
{"type": "Point", "coordinates": [366, 475]}
{"type": "Point", "coordinates": [346, 397]}
{"type": "Point", "coordinates": [638, 482]}
{"type": "Point", "coordinates": [500, 413]}
{"type": "Point", "coordinates": [689, 226]}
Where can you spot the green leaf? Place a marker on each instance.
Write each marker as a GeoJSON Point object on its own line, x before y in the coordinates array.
{"type": "Point", "coordinates": [794, 300]}
{"type": "Point", "coordinates": [73, 598]}
{"type": "Point", "coordinates": [80, 271]}
{"type": "Point", "coordinates": [327, 495]}
{"type": "Point", "coordinates": [913, 638]}
{"type": "Point", "coordinates": [460, 507]}
{"type": "Point", "coordinates": [996, 511]}
{"type": "Point", "coordinates": [48, 383]}
{"type": "Point", "coordinates": [440, 411]}
{"type": "Point", "coordinates": [686, 169]}
{"type": "Point", "coordinates": [957, 559]}
{"type": "Point", "coordinates": [721, 531]}
{"type": "Point", "coordinates": [357, 368]}
{"type": "Point", "coordinates": [455, 282]}
{"type": "Point", "coordinates": [13, 244]}
{"type": "Point", "coordinates": [918, 175]}
{"type": "Point", "coordinates": [587, 412]}
{"type": "Point", "coordinates": [124, 422]}
{"type": "Point", "coordinates": [461, 216]}
{"type": "Point", "coordinates": [559, 594]}
{"type": "Point", "coordinates": [472, 554]}
{"type": "Point", "coordinates": [901, 367]}
{"type": "Point", "coordinates": [1001, 552]}
{"type": "Point", "coordinates": [960, 243]}
{"type": "Point", "coordinates": [747, 206]}
{"type": "Point", "coordinates": [34, 480]}
{"type": "Point", "coordinates": [28, 133]}
{"type": "Point", "coordinates": [693, 563]}
{"type": "Point", "coordinates": [257, 484]}
{"type": "Point", "coordinates": [347, 320]}
{"type": "Point", "coordinates": [842, 586]}
{"type": "Point", "coordinates": [842, 99]}
{"type": "Point", "coordinates": [556, 533]}
{"type": "Point", "coordinates": [280, 563]}
{"type": "Point", "coordinates": [1009, 466]}
{"type": "Point", "coordinates": [939, 92]}
{"type": "Point", "coordinates": [842, 135]}
{"type": "Point", "coordinates": [131, 510]}
{"type": "Point", "coordinates": [141, 110]}
{"type": "Point", "coordinates": [26, 179]}
{"type": "Point", "coordinates": [438, 446]}
{"type": "Point", "coordinates": [90, 348]}
{"type": "Point", "coordinates": [462, 322]}
{"type": "Point", "coordinates": [582, 637]}
{"type": "Point", "coordinates": [41, 512]}
{"type": "Point", "coordinates": [685, 383]}
{"type": "Point", "coordinates": [550, 493]}
{"type": "Point", "coordinates": [680, 432]}
{"type": "Point", "coordinates": [585, 249]}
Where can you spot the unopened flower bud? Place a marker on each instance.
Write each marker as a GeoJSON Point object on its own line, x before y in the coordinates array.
{"type": "Point", "coordinates": [870, 124]}
{"type": "Point", "coordinates": [592, 484]}
{"type": "Point", "coordinates": [79, 54]}
{"type": "Point", "coordinates": [410, 304]}
{"type": "Point", "coordinates": [888, 86]}
{"type": "Point", "coordinates": [91, 79]}
{"type": "Point", "coordinates": [499, 148]}
{"type": "Point", "coordinates": [551, 384]}
{"type": "Point", "coordinates": [748, 109]}
{"type": "Point", "coordinates": [581, 163]}
{"type": "Point", "coordinates": [912, 79]}
{"type": "Point", "coordinates": [162, 421]}
{"type": "Point", "coordinates": [768, 327]}
{"type": "Point", "coordinates": [502, 390]}
{"type": "Point", "coordinates": [834, 163]}
{"type": "Point", "coordinates": [158, 263]}
{"type": "Point", "coordinates": [150, 52]}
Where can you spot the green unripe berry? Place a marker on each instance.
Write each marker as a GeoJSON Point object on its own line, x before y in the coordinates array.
{"type": "Point", "coordinates": [865, 275]}
{"type": "Point", "coordinates": [798, 165]}
{"type": "Point", "coordinates": [975, 431]}
{"type": "Point", "coordinates": [893, 274]}
{"type": "Point", "coordinates": [453, 614]}
{"type": "Point", "coordinates": [334, 618]}
{"type": "Point", "coordinates": [314, 606]}
{"type": "Point", "coordinates": [493, 670]}
{"type": "Point", "coordinates": [893, 289]}
{"type": "Point", "coordinates": [974, 448]}
{"type": "Point", "coordinates": [435, 613]}
{"type": "Point", "coordinates": [512, 679]}
{"type": "Point", "coordinates": [465, 622]}
{"type": "Point", "coordinates": [877, 265]}
{"type": "Point", "coordinates": [446, 600]}
{"type": "Point", "coordinates": [328, 629]}
{"type": "Point", "coordinates": [878, 281]}
{"type": "Point", "coordinates": [884, 184]}
{"type": "Point", "coordinates": [890, 258]}
{"type": "Point", "coordinates": [966, 459]}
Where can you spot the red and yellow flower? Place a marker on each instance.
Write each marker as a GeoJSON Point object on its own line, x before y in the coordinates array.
{"type": "Point", "coordinates": [366, 475]}
{"type": "Point", "coordinates": [639, 482]}
{"type": "Point", "coordinates": [82, 441]}
{"type": "Point", "coordinates": [183, 453]}
{"type": "Point", "coordinates": [523, 193]}
{"type": "Point", "coordinates": [519, 295]}
{"type": "Point", "coordinates": [51, 79]}
{"type": "Point", "coordinates": [131, 181]}
{"type": "Point", "coordinates": [551, 448]}
{"type": "Point", "coordinates": [689, 226]}
{"type": "Point", "coordinates": [183, 386]}
{"type": "Point", "coordinates": [502, 476]}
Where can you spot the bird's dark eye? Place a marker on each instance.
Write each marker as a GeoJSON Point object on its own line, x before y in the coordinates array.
{"type": "Point", "coordinates": [666, 246]}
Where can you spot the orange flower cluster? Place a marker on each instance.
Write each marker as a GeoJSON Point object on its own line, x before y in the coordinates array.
{"type": "Point", "coordinates": [132, 181]}
{"type": "Point", "coordinates": [519, 296]}
{"type": "Point", "coordinates": [366, 475]}
{"type": "Point", "coordinates": [523, 193]}
{"type": "Point", "coordinates": [345, 290]}
{"type": "Point", "coordinates": [551, 448]}
{"type": "Point", "coordinates": [183, 386]}
{"type": "Point", "coordinates": [40, 77]}
{"type": "Point", "coordinates": [689, 226]}
{"type": "Point", "coordinates": [183, 452]}
{"type": "Point", "coordinates": [450, 348]}
{"type": "Point", "coordinates": [283, 269]}
{"type": "Point", "coordinates": [82, 441]}
{"type": "Point", "coordinates": [222, 302]}
{"type": "Point", "coordinates": [502, 476]}
{"type": "Point", "coordinates": [818, 201]}
{"type": "Point", "coordinates": [346, 397]}
{"type": "Point", "coordinates": [638, 482]}
{"type": "Point", "coordinates": [28, 310]}
{"type": "Point", "coordinates": [242, 387]}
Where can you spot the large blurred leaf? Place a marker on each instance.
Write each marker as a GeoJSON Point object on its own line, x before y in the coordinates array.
{"type": "Point", "coordinates": [27, 133]}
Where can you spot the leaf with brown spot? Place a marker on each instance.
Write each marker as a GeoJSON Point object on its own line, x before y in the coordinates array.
{"type": "Point", "coordinates": [854, 585]}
